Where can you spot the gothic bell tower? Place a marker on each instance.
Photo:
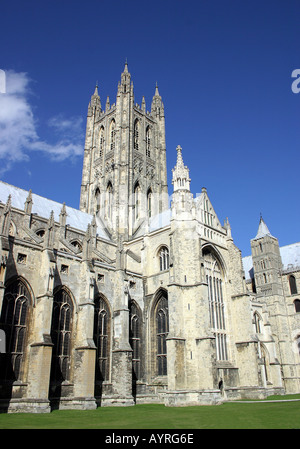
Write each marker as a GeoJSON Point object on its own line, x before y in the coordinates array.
{"type": "Point", "coordinates": [124, 177]}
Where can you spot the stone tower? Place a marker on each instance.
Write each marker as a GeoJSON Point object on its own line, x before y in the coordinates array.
{"type": "Point", "coordinates": [267, 265]}
{"type": "Point", "coordinates": [266, 261]}
{"type": "Point", "coordinates": [124, 178]}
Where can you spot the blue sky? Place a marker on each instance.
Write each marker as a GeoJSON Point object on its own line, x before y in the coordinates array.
{"type": "Point", "coordinates": [224, 73]}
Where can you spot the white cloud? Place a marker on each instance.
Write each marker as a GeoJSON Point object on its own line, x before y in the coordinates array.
{"type": "Point", "coordinates": [18, 131]}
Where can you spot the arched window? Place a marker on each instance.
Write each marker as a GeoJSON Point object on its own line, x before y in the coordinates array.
{"type": "Point", "coordinates": [297, 305]}
{"type": "Point", "coordinates": [135, 339]}
{"type": "Point", "coordinates": [14, 322]}
{"type": "Point", "coordinates": [149, 202]}
{"type": "Point", "coordinates": [76, 245]}
{"type": "Point", "coordinates": [137, 201]}
{"type": "Point", "coordinates": [162, 329]}
{"type": "Point", "coordinates": [293, 285]}
{"type": "Point", "coordinates": [257, 321]}
{"type": "Point", "coordinates": [101, 141]}
{"type": "Point", "coordinates": [108, 201]}
{"type": "Point", "coordinates": [148, 142]}
{"type": "Point", "coordinates": [136, 135]}
{"type": "Point", "coordinates": [61, 328]}
{"type": "Point", "coordinates": [164, 258]}
{"type": "Point", "coordinates": [97, 199]}
{"type": "Point", "coordinates": [298, 343]}
{"type": "Point", "coordinates": [112, 135]}
{"type": "Point", "coordinates": [214, 279]}
{"type": "Point", "coordinates": [101, 339]}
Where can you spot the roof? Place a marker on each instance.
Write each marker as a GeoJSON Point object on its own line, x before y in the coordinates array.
{"type": "Point", "coordinates": [43, 207]}
{"type": "Point", "coordinates": [262, 230]}
{"type": "Point", "coordinates": [290, 256]}
{"type": "Point", "coordinates": [160, 220]}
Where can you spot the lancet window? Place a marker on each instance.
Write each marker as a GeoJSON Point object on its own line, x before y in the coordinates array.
{"type": "Point", "coordinates": [112, 135]}
{"type": "Point", "coordinates": [136, 135]}
{"type": "Point", "coordinates": [293, 285]}
{"type": "Point", "coordinates": [162, 329]}
{"type": "Point", "coordinates": [102, 338]}
{"type": "Point", "coordinates": [61, 330]}
{"type": "Point", "coordinates": [164, 259]}
{"type": "Point", "coordinates": [148, 142]}
{"type": "Point", "coordinates": [135, 339]}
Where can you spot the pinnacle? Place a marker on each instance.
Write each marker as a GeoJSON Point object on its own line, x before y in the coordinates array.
{"type": "Point", "coordinates": [96, 90]}
{"type": "Point", "coordinates": [179, 156]}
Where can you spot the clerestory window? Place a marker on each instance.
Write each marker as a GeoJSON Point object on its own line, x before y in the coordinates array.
{"type": "Point", "coordinates": [164, 261]}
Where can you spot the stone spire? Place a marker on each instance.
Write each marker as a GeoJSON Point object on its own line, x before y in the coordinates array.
{"type": "Point", "coordinates": [95, 103]}
{"type": "Point", "coordinates": [125, 86]}
{"type": "Point", "coordinates": [181, 178]}
{"type": "Point", "coordinates": [262, 230]}
{"type": "Point", "coordinates": [157, 106]}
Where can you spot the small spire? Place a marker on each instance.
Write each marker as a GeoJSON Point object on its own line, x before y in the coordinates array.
{"type": "Point", "coordinates": [262, 229]}
{"type": "Point", "coordinates": [181, 179]}
{"type": "Point", "coordinates": [179, 156]}
{"type": "Point", "coordinates": [28, 203]}
{"type": "Point", "coordinates": [157, 107]}
{"type": "Point", "coordinates": [96, 94]}
{"type": "Point", "coordinates": [126, 66]}
{"type": "Point", "coordinates": [107, 106]}
{"type": "Point", "coordinates": [95, 103]}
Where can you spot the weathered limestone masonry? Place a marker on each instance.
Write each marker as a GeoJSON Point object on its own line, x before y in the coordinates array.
{"type": "Point", "coordinates": [129, 300]}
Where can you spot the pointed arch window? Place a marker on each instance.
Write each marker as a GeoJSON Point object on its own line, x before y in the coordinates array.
{"type": "Point", "coordinates": [162, 329]}
{"type": "Point", "coordinates": [257, 323]}
{"type": "Point", "coordinates": [108, 201]}
{"type": "Point", "coordinates": [297, 305]}
{"type": "Point", "coordinates": [61, 329]}
{"type": "Point", "coordinates": [298, 343]}
{"type": "Point", "coordinates": [137, 201]}
{"type": "Point", "coordinates": [148, 142]}
{"type": "Point", "coordinates": [135, 339]}
{"type": "Point", "coordinates": [136, 135]}
{"type": "Point", "coordinates": [293, 285]}
{"type": "Point", "coordinates": [97, 200]}
{"type": "Point", "coordinates": [14, 322]}
{"type": "Point", "coordinates": [102, 339]}
{"type": "Point", "coordinates": [164, 260]}
{"type": "Point", "coordinates": [112, 135]}
{"type": "Point", "coordinates": [149, 203]}
{"type": "Point", "coordinates": [214, 279]}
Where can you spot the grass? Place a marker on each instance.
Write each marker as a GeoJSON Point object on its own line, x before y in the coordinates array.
{"type": "Point", "coordinates": [254, 415]}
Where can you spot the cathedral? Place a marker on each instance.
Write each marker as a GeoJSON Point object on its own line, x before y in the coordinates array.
{"type": "Point", "coordinates": [133, 298]}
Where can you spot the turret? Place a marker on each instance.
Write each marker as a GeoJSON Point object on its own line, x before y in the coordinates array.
{"type": "Point", "coordinates": [181, 179]}
{"type": "Point", "coordinates": [182, 198]}
{"type": "Point", "coordinates": [266, 261]}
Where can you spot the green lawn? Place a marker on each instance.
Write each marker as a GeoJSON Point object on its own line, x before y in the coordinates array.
{"type": "Point", "coordinates": [255, 415]}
